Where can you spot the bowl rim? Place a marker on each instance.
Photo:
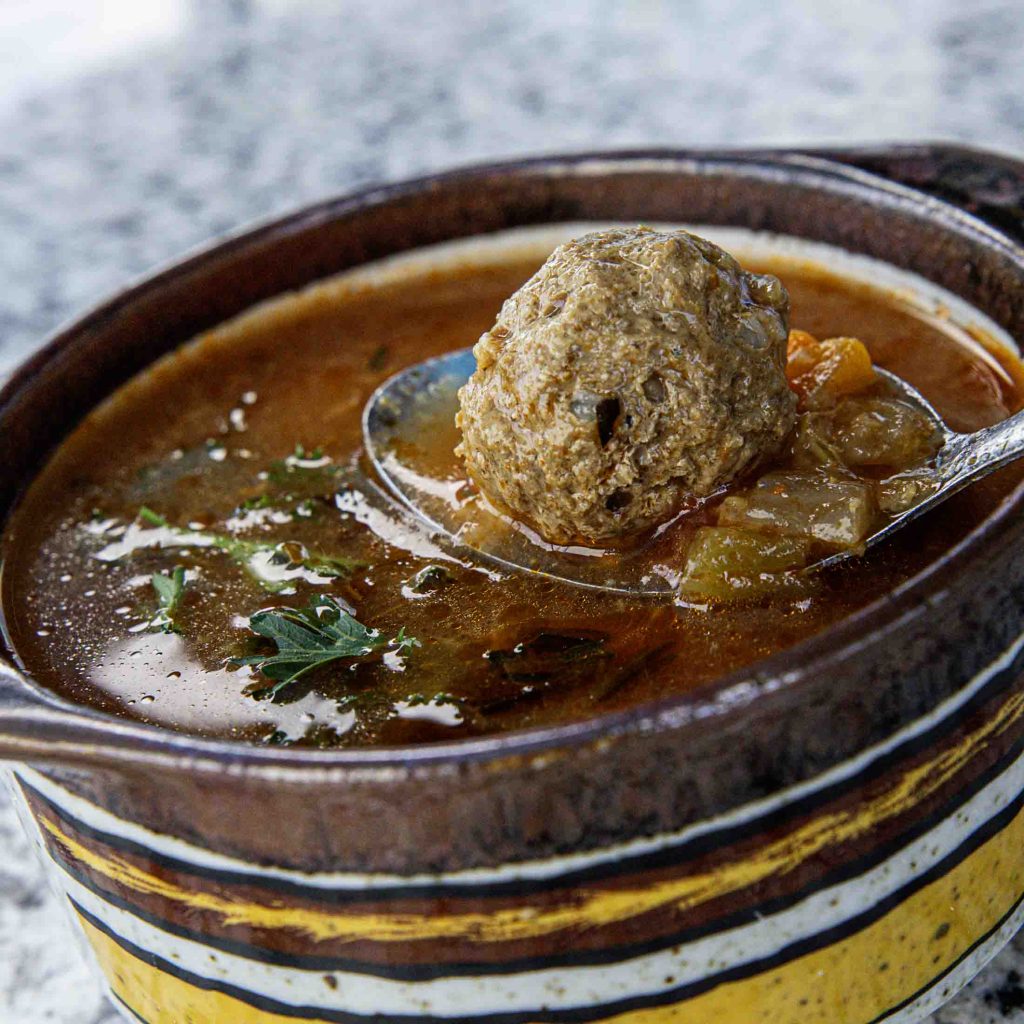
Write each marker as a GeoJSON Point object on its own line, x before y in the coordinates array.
{"type": "Point", "coordinates": [125, 741]}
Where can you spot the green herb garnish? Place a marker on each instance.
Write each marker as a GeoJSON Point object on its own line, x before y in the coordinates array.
{"type": "Point", "coordinates": [316, 635]}
{"type": "Point", "coordinates": [259, 559]}
{"type": "Point", "coordinates": [429, 579]}
{"type": "Point", "coordinates": [251, 504]}
{"type": "Point", "coordinates": [170, 589]}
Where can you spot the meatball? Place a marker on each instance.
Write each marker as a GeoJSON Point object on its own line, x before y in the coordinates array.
{"type": "Point", "coordinates": [635, 373]}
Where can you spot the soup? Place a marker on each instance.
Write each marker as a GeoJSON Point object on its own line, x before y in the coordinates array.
{"type": "Point", "coordinates": [161, 546]}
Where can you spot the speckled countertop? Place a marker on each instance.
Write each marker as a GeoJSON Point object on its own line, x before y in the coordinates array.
{"type": "Point", "coordinates": [130, 132]}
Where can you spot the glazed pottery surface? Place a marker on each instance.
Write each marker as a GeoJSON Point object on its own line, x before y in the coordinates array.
{"type": "Point", "coordinates": [833, 836]}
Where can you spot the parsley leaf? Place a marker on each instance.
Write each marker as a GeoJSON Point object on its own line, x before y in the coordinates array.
{"type": "Point", "coordinates": [266, 562]}
{"type": "Point", "coordinates": [316, 635]}
{"type": "Point", "coordinates": [170, 589]}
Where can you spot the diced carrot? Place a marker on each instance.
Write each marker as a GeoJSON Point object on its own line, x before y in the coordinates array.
{"type": "Point", "coordinates": [804, 351]}
{"type": "Point", "coordinates": [849, 365]}
{"type": "Point", "coordinates": [820, 372]}
{"type": "Point", "coordinates": [800, 340]}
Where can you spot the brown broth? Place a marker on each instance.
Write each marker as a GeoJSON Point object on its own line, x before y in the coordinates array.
{"type": "Point", "coordinates": [196, 436]}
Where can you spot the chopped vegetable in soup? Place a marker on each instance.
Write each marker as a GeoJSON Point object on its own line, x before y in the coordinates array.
{"type": "Point", "coordinates": [209, 553]}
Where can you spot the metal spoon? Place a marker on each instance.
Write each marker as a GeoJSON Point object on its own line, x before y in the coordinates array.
{"type": "Point", "coordinates": [422, 399]}
{"type": "Point", "coordinates": [404, 407]}
{"type": "Point", "coordinates": [961, 459]}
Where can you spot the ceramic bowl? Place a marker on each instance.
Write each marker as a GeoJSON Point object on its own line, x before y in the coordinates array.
{"type": "Point", "coordinates": [834, 835]}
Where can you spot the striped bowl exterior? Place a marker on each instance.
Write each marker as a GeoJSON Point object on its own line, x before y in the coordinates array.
{"type": "Point", "coordinates": [869, 893]}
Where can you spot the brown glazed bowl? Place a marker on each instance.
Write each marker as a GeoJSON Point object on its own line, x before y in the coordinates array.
{"type": "Point", "coordinates": [834, 836]}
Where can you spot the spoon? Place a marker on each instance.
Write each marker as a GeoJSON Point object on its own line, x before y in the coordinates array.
{"type": "Point", "coordinates": [399, 421]}
{"type": "Point", "coordinates": [961, 459]}
{"type": "Point", "coordinates": [416, 401]}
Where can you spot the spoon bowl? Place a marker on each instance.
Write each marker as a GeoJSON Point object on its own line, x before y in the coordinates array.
{"type": "Point", "coordinates": [409, 408]}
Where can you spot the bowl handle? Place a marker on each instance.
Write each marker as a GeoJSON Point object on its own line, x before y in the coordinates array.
{"type": "Point", "coordinates": [988, 185]}
{"type": "Point", "coordinates": [38, 728]}
{"type": "Point", "coordinates": [29, 724]}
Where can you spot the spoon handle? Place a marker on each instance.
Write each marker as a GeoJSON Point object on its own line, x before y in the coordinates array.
{"type": "Point", "coordinates": [968, 457]}
{"type": "Point", "coordinates": [963, 459]}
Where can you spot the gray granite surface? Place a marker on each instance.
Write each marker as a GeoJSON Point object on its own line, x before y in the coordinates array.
{"type": "Point", "coordinates": [131, 130]}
